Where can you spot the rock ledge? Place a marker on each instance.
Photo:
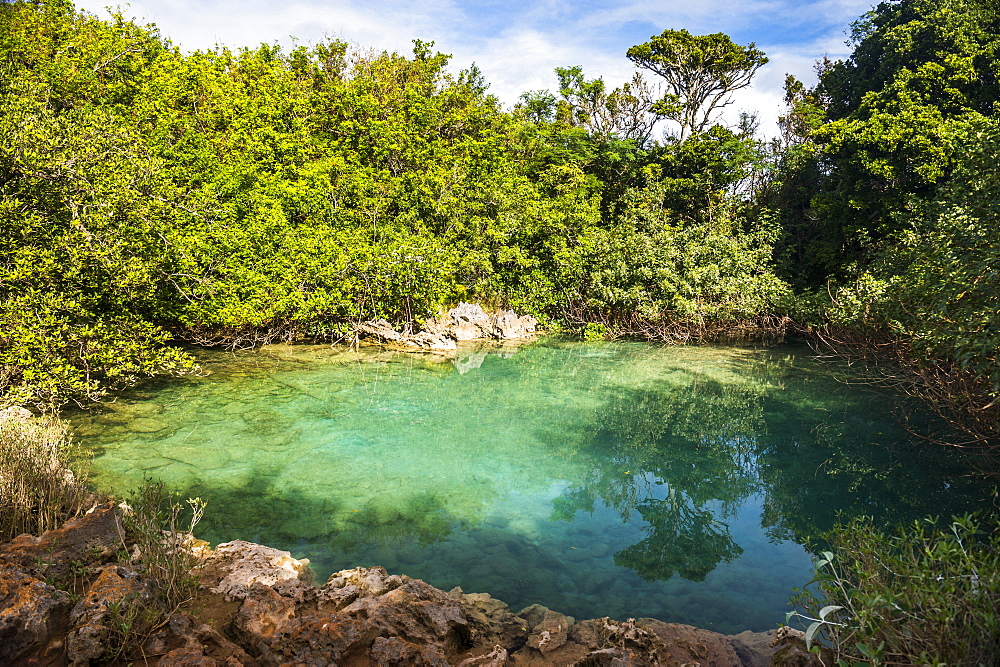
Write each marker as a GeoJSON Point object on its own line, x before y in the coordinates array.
{"type": "Point", "coordinates": [260, 606]}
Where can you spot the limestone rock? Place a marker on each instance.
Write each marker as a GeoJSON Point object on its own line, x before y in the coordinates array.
{"type": "Point", "coordinates": [491, 621]}
{"type": "Point", "coordinates": [550, 633]}
{"type": "Point", "coordinates": [791, 650]}
{"type": "Point", "coordinates": [605, 641]}
{"type": "Point", "coordinates": [15, 413]}
{"type": "Point", "coordinates": [433, 341]}
{"type": "Point", "coordinates": [30, 618]}
{"type": "Point", "coordinates": [90, 538]}
{"type": "Point", "coordinates": [496, 658]}
{"type": "Point", "coordinates": [362, 614]}
{"type": "Point", "coordinates": [91, 619]}
{"type": "Point", "coordinates": [276, 616]}
{"type": "Point", "coordinates": [234, 567]}
{"type": "Point", "coordinates": [187, 642]}
{"type": "Point", "coordinates": [466, 321]}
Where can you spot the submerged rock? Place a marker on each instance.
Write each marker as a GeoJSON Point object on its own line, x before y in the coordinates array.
{"type": "Point", "coordinates": [266, 610]}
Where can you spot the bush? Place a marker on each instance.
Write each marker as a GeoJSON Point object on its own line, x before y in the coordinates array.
{"type": "Point", "coordinates": [929, 594]}
{"type": "Point", "coordinates": [153, 522]}
{"type": "Point", "coordinates": [38, 491]}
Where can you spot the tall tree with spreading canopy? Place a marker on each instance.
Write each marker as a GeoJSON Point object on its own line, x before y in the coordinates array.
{"type": "Point", "coordinates": [701, 71]}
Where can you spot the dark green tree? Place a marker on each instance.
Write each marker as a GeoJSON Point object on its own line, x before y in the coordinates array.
{"type": "Point", "coordinates": [701, 73]}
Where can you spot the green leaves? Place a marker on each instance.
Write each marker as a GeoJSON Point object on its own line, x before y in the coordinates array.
{"type": "Point", "coordinates": [701, 73]}
{"type": "Point", "coordinates": [926, 594]}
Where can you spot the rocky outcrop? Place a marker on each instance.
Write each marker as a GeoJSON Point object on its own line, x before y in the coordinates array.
{"type": "Point", "coordinates": [464, 322]}
{"type": "Point", "coordinates": [468, 321]}
{"type": "Point", "coordinates": [61, 602]}
{"type": "Point", "coordinates": [384, 332]}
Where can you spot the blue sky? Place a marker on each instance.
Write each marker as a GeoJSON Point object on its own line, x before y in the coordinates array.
{"type": "Point", "coordinates": [517, 44]}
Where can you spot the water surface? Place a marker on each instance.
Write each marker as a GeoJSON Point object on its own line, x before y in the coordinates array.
{"type": "Point", "coordinates": [618, 479]}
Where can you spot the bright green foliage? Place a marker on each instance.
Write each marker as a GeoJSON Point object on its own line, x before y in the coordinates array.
{"type": "Point", "coordinates": [653, 266]}
{"type": "Point", "coordinates": [928, 595]}
{"type": "Point", "coordinates": [921, 70]}
{"type": "Point", "coordinates": [147, 195]}
{"type": "Point", "coordinates": [83, 253]}
{"type": "Point", "coordinates": [938, 287]}
{"type": "Point", "coordinates": [701, 73]}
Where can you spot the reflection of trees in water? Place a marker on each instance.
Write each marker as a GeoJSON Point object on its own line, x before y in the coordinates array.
{"type": "Point", "coordinates": [851, 458]}
{"type": "Point", "coordinates": [686, 456]}
{"type": "Point", "coordinates": [692, 441]}
{"type": "Point", "coordinates": [683, 538]}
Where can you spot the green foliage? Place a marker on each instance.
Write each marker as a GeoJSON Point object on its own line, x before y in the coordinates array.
{"type": "Point", "coordinates": [929, 594]}
{"type": "Point", "coordinates": [148, 196]}
{"type": "Point", "coordinates": [651, 265]}
{"type": "Point", "coordinates": [153, 523]}
{"type": "Point", "coordinates": [701, 73]}
{"type": "Point", "coordinates": [920, 71]}
{"type": "Point", "coordinates": [84, 216]}
{"type": "Point", "coordinates": [937, 286]}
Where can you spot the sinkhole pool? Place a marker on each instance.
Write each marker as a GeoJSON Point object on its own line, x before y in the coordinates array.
{"type": "Point", "coordinates": [595, 478]}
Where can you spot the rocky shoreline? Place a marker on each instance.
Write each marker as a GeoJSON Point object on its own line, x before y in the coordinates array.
{"type": "Point", "coordinates": [61, 594]}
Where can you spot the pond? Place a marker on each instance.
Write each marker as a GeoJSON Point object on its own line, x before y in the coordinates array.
{"type": "Point", "coordinates": [595, 478]}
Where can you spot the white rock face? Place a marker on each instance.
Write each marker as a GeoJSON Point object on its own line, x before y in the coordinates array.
{"type": "Point", "coordinates": [15, 413]}
{"type": "Point", "coordinates": [246, 563]}
{"type": "Point", "coordinates": [466, 321]}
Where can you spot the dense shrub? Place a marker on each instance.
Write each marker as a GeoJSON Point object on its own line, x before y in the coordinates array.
{"type": "Point", "coordinates": [929, 594]}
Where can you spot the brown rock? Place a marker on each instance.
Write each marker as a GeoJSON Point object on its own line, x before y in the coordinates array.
{"type": "Point", "coordinates": [186, 642]}
{"type": "Point", "coordinates": [791, 650]}
{"type": "Point", "coordinates": [753, 648]}
{"type": "Point", "coordinates": [364, 614]}
{"type": "Point", "coordinates": [395, 651]}
{"type": "Point", "coordinates": [233, 568]}
{"type": "Point", "coordinates": [32, 618]}
{"type": "Point", "coordinates": [118, 594]}
{"type": "Point", "coordinates": [495, 658]}
{"type": "Point", "coordinates": [491, 623]}
{"type": "Point", "coordinates": [262, 618]}
{"type": "Point", "coordinates": [550, 632]}
{"type": "Point", "coordinates": [91, 538]}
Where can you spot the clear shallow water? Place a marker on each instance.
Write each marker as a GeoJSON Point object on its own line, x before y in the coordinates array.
{"type": "Point", "coordinates": [617, 479]}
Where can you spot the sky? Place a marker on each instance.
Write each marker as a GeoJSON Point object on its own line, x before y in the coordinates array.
{"type": "Point", "coordinates": [517, 44]}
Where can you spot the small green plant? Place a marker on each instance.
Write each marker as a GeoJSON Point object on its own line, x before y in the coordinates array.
{"type": "Point", "coordinates": [596, 331]}
{"type": "Point", "coordinates": [153, 522]}
{"type": "Point", "coordinates": [130, 621]}
{"type": "Point", "coordinates": [928, 594]}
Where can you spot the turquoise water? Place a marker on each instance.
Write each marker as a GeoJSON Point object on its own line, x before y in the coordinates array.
{"type": "Point", "coordinates": [618, 479]}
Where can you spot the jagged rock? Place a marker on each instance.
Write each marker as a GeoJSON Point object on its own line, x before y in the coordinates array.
{"type": "Point", "coordinates": [90, 538]}
{"type": "Point", "coordinates": [605, 641]}
{"type": "Point", "coordinates": [91, 619]}
{"type": "Point", "coordinates": [791, 650]}
{"type": "Point", "coordinates": [276, 616]}
{"type": "Point", "coordinates": [236, 566]}
{"type": "Point", "coordinates": [492, 623]}
{"type": "Point", "coordinates": [31, 614]}
{"type": "Point", "coordinates": [430, 340]}
{"type": "Point", "coordinates": [15, 413]}
{"type": "Point", "coordinates": [495, 658]}
{"type": "Point", "coordinates": [466, 321]}
{"type": "Point", "coordinates": [550, 632]}
{"type": "Point", "coordinates": [507, 325]}
{"type": "Point", "coordinates": [753, 648]}
{"type": "Point", "coordinates": [186, 642]}
{"type": "Point", "coordinates": [383, 618]}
